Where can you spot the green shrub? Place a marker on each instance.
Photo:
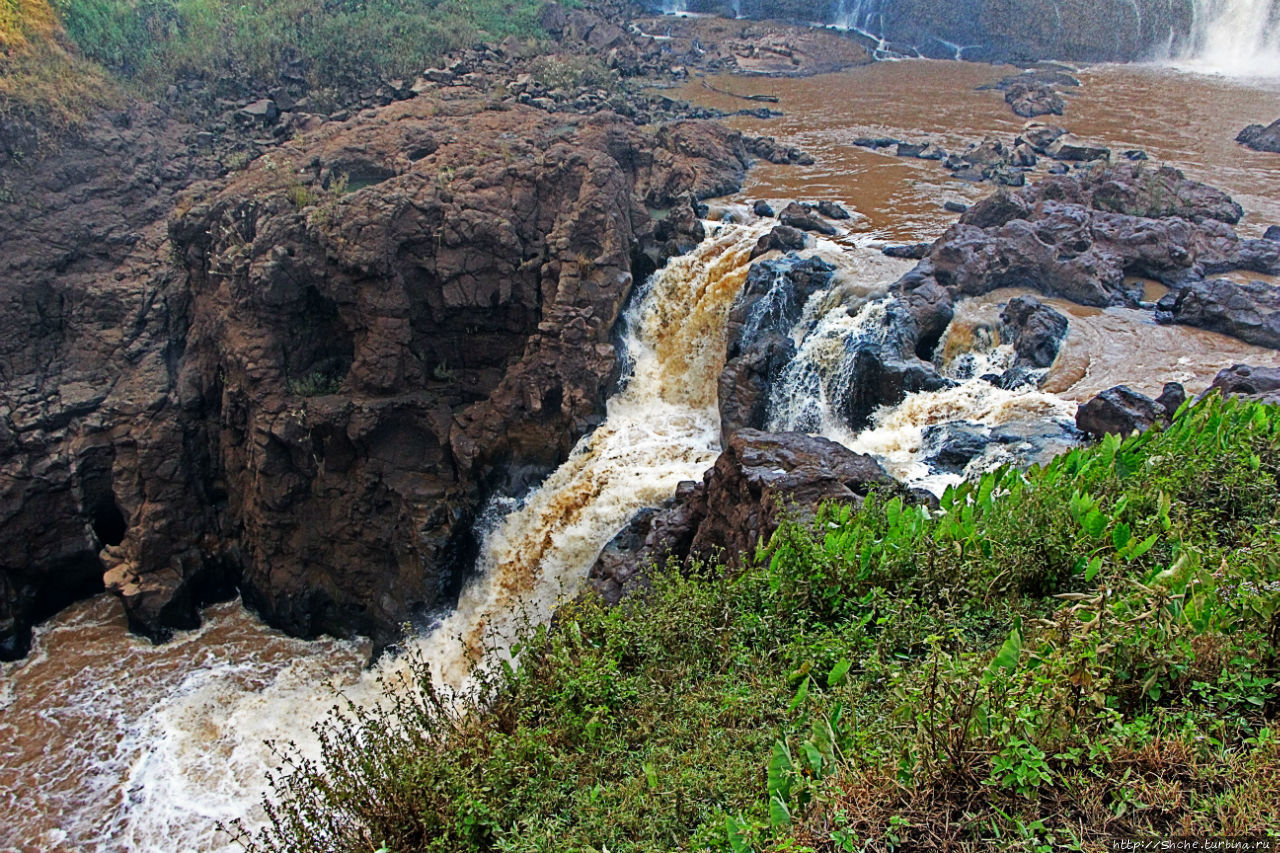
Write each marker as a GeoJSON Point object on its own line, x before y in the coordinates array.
{"type": "Point", "coordinates": [1052, 658]}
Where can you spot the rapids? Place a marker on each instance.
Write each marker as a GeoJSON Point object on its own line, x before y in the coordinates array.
{"type": "Point", "coordinates": [108, 743]}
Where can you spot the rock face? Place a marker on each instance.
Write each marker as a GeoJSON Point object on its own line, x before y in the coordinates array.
{"type": "Point", "coordinates": [994, 29]}
{"type": "Point", "coordinates": [1248, 311]}
{"type": "Point", "coordinates": [757, 343]}
{"type": "Point", "coordinates": [1080, 236]}
{"type": "Point", "coordinates": [759, 477]}
{"type": "Point", "coordinates": [305, 390]}
{"type": "Point", "coordinates": [1261, 138]}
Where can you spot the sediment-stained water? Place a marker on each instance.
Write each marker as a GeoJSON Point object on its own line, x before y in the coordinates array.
{"type": "Point", "coordinates": [108, 743]}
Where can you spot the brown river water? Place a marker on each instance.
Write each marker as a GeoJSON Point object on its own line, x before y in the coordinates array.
{"type": "Point", "coordinates": [109, 743]}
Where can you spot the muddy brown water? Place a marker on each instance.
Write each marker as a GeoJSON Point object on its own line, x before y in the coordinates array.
{"type": "Point", "coordinates": [109, 743]}
{"type": "Point", "coordinates": [1186, 119]}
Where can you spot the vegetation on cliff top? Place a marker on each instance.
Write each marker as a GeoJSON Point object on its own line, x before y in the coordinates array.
{"type": "Point", "coordinates": [42, 76]}
{"type": "Point", "coordinates": [1056, 657]}
{"type": "Point", "coordinates": [53, 54]}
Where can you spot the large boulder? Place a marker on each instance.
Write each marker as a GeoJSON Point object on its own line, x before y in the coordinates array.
{"type": "Point", "coordinates": [1261, 138]}
{"type": "Point", "coordinates": [1120, 410]}
{"type": "Point", "coordinates": [1035, 330]}
{"type": "Point", "coordinates": [1249, 311]}
{"type": "Point", "coordinates": [1243, 380]}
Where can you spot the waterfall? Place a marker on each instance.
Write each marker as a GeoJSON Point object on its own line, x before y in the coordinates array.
{"type": "Point", "coordinates": [1239, 38]}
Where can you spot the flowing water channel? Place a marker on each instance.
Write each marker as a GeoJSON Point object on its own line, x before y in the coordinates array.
{"type": "Point", "coordinates": [108, 743]}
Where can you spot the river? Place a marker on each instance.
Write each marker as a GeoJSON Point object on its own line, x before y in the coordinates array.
{"type": "Point", "coordinates": [109, 743]}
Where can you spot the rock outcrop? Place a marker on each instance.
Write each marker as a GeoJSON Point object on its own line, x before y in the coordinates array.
{"type": "Point", "coordinates": [1082, 236]}
{"type": "Point", "coordinates": [758, 479]}
{"type": "Point", "coordinates": [987, 30]}
{"type": "Point", "coordinates": [1261, 138]}
{"type": "Point", "coordinates": [306, 387]}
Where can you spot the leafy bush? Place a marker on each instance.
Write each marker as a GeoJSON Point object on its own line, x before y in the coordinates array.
{"type": "Point", "coordinates": [1051, 658]}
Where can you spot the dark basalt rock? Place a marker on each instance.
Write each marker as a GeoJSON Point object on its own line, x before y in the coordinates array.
{"type": "Point", "coordinates": [762, 208]}
{"type": "Point", "coordinates": [797, 215]}
{"type": "Point", "coordinates": [1080, 236]}
{"type": "Point", "coordinates": [910, 252]}
{"type": "Point", "coordinates": [1250, 312]}
{"type": "Point", "coordinates": [952, 446]}
{"type": "Point", "coordinates": [1033, 98]}
{"type": "Point", "coordinates": [1119, 410]}
{"type": "Point", "coordinates": [1261, 138]}
{"type": "Point", "coordinates": [1243, 380]}
{"type": "Point", "coordinates": [758, 479]}
{"type": "Point", "coordinates": [757, 344]}
{"type": "Point", "coordinates": [781, 238]}
{"type": "Point", "coordinates": [831, 210]}
{"type": "Point", "coordinates": [1036, 330]}
{"type": "Point", "coordinates": [1272, 233]}
{"type": "Point", "coordinates": [310, 405]}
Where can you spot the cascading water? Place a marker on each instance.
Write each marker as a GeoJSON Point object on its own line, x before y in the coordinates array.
{"type": "Point", "coordinates": [153, 769]}
{"type": "Point", "coordinates": [1239, 38]}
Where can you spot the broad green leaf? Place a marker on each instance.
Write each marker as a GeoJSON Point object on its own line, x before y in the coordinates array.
{"type": "Point", "coordinates": [839, 672]}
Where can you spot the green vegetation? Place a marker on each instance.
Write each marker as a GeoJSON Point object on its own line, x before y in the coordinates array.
{"type": "Point", "coordinates": [42, 79]}
{"type": "Point", "coordinates": [1053, 658]}
{"type": "Point", "coordinates": [339, 43]}
{"type": "Point", "coordinates": [60, 59]}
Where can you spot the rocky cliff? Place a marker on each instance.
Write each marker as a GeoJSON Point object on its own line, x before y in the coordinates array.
{"type": "Point", "coordinates": [990, 29]}
{"type": "Point", "coordinates": [304, 385]}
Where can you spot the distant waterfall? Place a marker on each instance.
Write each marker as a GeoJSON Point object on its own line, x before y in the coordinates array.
{"type": "Point", "coordinates": [1240, 38]}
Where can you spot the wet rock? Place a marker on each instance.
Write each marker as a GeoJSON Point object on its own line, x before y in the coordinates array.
{"type": "Point", "coordinates": [910, 149]}
{"type": "Point", "coordinates": [1172, 396]}
{"type": "Point", "coordinates": [762, 208]}
{"type": "Point", "coordinates": [876, 142]}
{"type": "Point", "coordinates": [760, 477]}
{"type": "Point", "coordinates": [996, 210]}
{"type": "Point", "coordinates": [954, 206]}
{"type": "Point", "coordinates": [312, 408]}
{"type": "Point", "coordinates": [910, 251]}
{"type": "Point", "coordinates": [952, 446]}
{"type": "Point", "coordinates": [782, 238]}
{"type": "Point", "coordinates": [831, 210]}
{"type": "Point", "coordinates": [1248, 311]}
{"type": "Point", "coordinates": [989, 152]}
{"type": "Point", "coordinates": [798, 216]}
{"type": "Point", "coordinates": [1032, 98]}
{"type": "Point", "coordinates": [747, 381]}
{"type": "Point", "coordinates": [1243, 380]}
{"type": "Point", "coordinates": [1135, 155]}
{"type": "Point", "coordinates": [1272, 233]}
{"type": "Point", "coordinates": [1040, 136]}
{"type": "Point", "coordinates": [1070, 148]}
{"type": "Point", "coordinates": [1023, 156]}
{"type": "Point", "coordinates": [757, 342]}
{"type": "Point", "coordinates": [624, 565]}
{"type": "Point", "coordinates": [768, 148]}
{"type": "Point", "coordinates": [1261, 138]}
{"type": "Point", "coordinates": [1036, 331]}
{"type": "Point", "coordinates": [1119, 410]}
{"type": "Point", "coordinates": [932, 152]}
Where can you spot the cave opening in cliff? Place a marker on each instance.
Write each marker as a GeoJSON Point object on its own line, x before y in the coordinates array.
{"type": "Point", "coordinates": [109, 523]}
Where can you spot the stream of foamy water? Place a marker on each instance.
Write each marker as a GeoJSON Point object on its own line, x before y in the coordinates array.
{"type": "Point", "coordinates": [118, 745]}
